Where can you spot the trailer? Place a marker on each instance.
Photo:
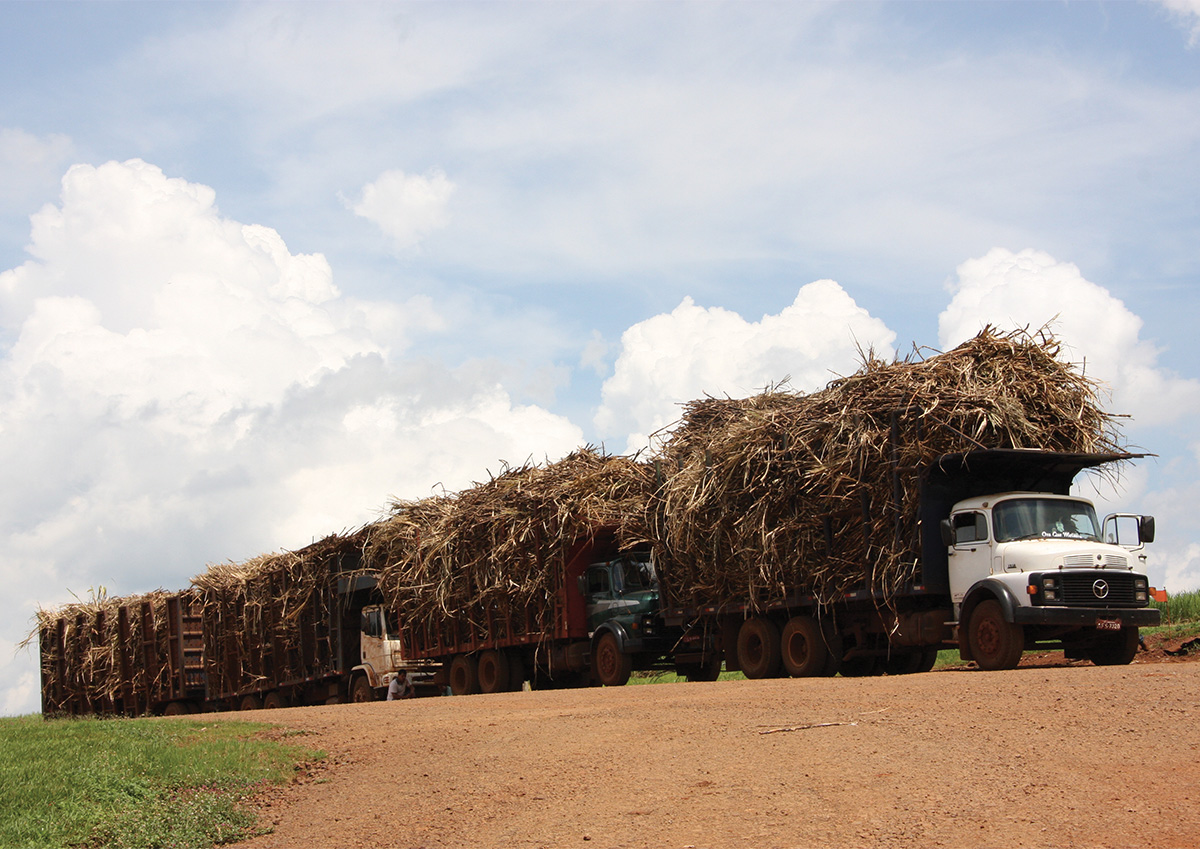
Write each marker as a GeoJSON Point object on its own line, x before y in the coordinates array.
{"type": "Point", "coordinates": [304, 628]}
{"type": "Point", "coordinates": [597, 623]}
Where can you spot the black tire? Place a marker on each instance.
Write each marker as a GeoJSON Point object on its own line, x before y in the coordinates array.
{"type": "Point", "coordinates": [493, 671]}
{"type": "Point", "coordinates": [802, 648]}
{"type": "Point", "coordinates": [250, 702]}
{"type": "Point", "coordinates": [610, 665]}
{"type": "Point", "coordinates": [758, 648]}
{"type": "Point", "coordinates": [274, 700]}
{"type": "Point", "coordinates": [929, 656]}
{"type": "Point", "coordinates": [1114, 649]}
{"type": "Point", "coordinates": [176, 709]}
{"type": "Point", "coordinates": [464, 675]}
{"type": "Point", "coordinates": [995, 643]}
{"type": "Point", "coordinates": [361, 690]}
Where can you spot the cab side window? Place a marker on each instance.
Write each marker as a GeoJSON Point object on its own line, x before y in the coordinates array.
{"type": "Point", "coordinates": [970, 527]}
{"type": "Point", "coordinates": [598, 582]}
{"type": "Point", "coordinates": [372, 624]}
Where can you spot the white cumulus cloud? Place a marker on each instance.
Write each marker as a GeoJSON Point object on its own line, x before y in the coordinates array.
{"type": "Point", "coordinates": [182, 389]}
{"type": "Point", "coordinates": [1032, 289]}
{"type": "Point", "coordinates": [1187, 14]}
{"type": "Point", "coordinates": [407, 207]}
{"type": "Point", "coordinates": [695, 351]}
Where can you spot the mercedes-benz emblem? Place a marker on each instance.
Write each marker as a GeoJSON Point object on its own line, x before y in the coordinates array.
{"type": "Point", "coordinates": [1100, 588]}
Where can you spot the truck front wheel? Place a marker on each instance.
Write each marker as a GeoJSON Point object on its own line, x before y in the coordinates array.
{"type": "Point", "coordinates": [995, 643]}
{"type": "Point", "coordinates": [758, 648]}
{"type": "Point", "coordinates": [361, 690]}
{"type": "Point", "coordinates": [1115, 649]}
{"type": "Point", "coordinates": [612, 666]}
{"type": "Point", "coordinates": [805, 654]}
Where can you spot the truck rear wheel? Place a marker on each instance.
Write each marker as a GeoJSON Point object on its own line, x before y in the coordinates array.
{"type": "Point", "coordinates": [493, 672]}
{"type": "Point", "coordinates": [611, 665]}
{"type": "Point", "coordinates": [274, 700]}
{"type": "Point", "coordinates": [758, 648]}
{"type": "Point", "coordinates": [464, 675]}
{"type": "Point", "coordinates": [803, 648]}
{"type": "Point", "coordinates": [250, 702]}
{"type": "Point", "coordinates": [995, 643]}
{"type": "Point", "coordinates": [1115, 649]}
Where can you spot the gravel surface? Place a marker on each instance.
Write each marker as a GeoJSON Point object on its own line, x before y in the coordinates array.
{"type": "Point", "coordinates": [1041, 756]}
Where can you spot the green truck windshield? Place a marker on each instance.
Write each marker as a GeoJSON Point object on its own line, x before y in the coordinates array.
{"type": "Point", "coordinates": [1045, 518]}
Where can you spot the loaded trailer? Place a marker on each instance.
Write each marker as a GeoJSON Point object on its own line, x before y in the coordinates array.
{"type": "Point", "coordinates": [595, 624]}
{"type": "Point", "coordinates": [1001, 559]}
{"type": "Point", "coordinates": [306, 629]}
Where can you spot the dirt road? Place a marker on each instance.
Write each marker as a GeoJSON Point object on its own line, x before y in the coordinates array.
{"type": "Point", "coordinates": [1079, 756]}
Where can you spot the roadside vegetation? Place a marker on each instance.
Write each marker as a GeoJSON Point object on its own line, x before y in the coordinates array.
{"type": "Point", "coordinates": [135, 782]}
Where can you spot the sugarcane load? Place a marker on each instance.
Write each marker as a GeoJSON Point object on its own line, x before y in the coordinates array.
{"type": "Point", "coordinates": [911, 506]}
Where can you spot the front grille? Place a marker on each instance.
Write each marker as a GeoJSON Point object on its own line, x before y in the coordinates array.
{"type": "Point", "coordinates": [1078, 589]}
{"type": "Point", "coordinates": [1112, 561]}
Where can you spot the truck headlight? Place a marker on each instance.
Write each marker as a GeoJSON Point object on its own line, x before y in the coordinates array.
{"type": "Point", "coordinates": [1050, 588]}
{"type": "Point", "coordinates": [1141, 590]}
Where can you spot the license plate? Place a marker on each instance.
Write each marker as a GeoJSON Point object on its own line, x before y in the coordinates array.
{"type": "Point", "coordinates": [1108, 624]}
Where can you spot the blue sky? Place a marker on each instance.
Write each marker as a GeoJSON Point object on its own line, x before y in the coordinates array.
{"type": "Point", "coordinates": [264, 266]}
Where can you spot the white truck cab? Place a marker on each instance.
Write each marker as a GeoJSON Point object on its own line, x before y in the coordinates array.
{"type": "Point", "coordinates": [1033, 566]}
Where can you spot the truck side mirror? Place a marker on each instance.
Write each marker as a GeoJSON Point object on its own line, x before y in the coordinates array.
{"type": "Point", "coordinates": [947, 529]}
{"type": "Point", "coordinates": [583, 584]}
{"type": "Point", "coordinates": [1146, 528]}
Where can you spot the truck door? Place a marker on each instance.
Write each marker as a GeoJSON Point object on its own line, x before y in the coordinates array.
{"type": "Point", "coordinates": [379, 649]}
{"type": "Point", "coordinates": [970, 554]}
{"type": "Point", "coordinates": [600, 594]}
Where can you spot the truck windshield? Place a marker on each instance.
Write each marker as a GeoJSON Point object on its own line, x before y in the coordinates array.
{"type": "Point", "coordinates": [636, 575]}
{"type": "Point", "coordinates": [1045, 518]}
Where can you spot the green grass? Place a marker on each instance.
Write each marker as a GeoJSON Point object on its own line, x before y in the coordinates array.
{"type": "Point", "coordinates": [134, 782]}
{"type": "Point", "coordinates": [652, 677]}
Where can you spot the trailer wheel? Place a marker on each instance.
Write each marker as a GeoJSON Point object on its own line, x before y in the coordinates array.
{"type": "Point", "coordinates": [803, 648]}
{"type": "Point", "coordinates": [1116, 649]}
{"type": "Point", "coordinates": [175, 709]}
{"type": "Point", "coordinates": [910, 661]}
{"type": "Point", "coordinates": [464, 675]}
{"type": "Point", "coordinates": [611, 665]}
{"type": "Point", "coordinates": [361, 690]}
{"type": "Point", "coordinates": [274, 700]}
{"type": "Point", "coordinates": [995, 644]}
{"type": "Point", "coordinates": [493, 672]}
{"type": "Point", "coordinates": [758, 648]}
{"type": "Point", "coordinates": [251, 702]}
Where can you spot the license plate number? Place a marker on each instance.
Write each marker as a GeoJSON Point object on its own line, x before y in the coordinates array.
{"type": "Point", "coordinates": [1108, 624]}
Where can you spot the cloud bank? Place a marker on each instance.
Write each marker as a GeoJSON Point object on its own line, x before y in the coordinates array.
{"type": "Point", "coordinates": [181, 389]}
{"type": "Point", "coordinates": [693, 351]}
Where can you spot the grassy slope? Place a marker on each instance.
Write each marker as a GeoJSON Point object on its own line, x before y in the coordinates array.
{"type": "Point", "coordinates": [133, 782]}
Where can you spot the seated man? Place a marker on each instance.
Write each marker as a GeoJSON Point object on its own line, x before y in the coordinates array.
{"type": "Point", "coordinates": [400, 687]}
